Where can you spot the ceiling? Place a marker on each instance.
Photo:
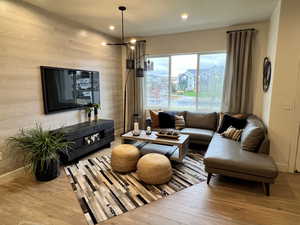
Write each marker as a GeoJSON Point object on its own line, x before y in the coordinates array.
{"type": "Point", "coordinates": [155, 17]}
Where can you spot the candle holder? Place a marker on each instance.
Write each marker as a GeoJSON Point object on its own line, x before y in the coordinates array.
{"type": "Point", "coordinates": [136, 129]}
{"type": "Point", "coordinates": [148, 130]}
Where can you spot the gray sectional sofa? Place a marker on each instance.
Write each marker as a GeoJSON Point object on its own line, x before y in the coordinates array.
{"type": "Point", "coordinates": [228, 157]}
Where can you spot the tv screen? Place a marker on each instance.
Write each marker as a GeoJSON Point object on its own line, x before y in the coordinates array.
{"type": "Point", "coordinates": [68, 89]}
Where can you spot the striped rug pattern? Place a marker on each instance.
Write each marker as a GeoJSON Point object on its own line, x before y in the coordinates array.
{"type": "Point", "coordinates": [103, 193]}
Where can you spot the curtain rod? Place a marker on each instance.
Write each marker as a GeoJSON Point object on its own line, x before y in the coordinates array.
{"type": "Point", "coordinates": [230, 31]}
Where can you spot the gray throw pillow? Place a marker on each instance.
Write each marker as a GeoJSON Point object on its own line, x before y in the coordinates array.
{"type": "Point", "coordinates": [201, 120]}
{"type": "Point", "coordinates": [251, 138]}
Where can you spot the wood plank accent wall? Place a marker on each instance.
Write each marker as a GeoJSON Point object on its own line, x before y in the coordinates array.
{"type": "Point", "coordinates": [31, 37]}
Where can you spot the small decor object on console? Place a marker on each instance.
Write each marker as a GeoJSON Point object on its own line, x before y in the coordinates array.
{"type": "Point", "coordinates": [88, 111]}
{"type": "Point", "coordinates": [96, 108]}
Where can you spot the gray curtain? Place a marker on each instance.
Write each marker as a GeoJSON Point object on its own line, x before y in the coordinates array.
{"type": "Point", "coordinates": [236, 98]}
{"type": "Point", "coordinates": [134, 85]}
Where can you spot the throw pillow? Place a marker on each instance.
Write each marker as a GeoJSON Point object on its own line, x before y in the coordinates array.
{"type": "Point", "coordinates": [166, 120]}
{"type": "Point", "coordinates": [154, 119]}
{"type": "Point", "coordinates": [238, 116]}
{"type": "Point", "coordinates": [232, 133]}
{"type": "Point", "coordinates": [231, 121]}
{"type": "Point", "coordinates": [252, 137]}
{"type": "Point", "coordinates": [179, 122]}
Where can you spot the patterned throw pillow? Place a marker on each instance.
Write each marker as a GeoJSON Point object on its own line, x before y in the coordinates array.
{"type": "Point", "coordinates": [179, 122]}
{"type": "Point", "coordinates": [232, 133]}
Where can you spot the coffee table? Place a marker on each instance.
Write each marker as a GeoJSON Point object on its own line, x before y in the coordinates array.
{"type": "Point", "coordinates": [181, 143]}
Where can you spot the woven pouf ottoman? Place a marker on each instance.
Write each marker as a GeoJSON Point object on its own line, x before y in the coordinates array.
{"type": "Point", "coordinates": [124, 158]}
{"type": "Point", "coordinates": [154, 168]}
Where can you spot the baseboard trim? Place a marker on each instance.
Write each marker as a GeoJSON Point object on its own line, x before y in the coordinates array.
{"type": "Point", "coordinates": [13, 174]}
{"type": "Point", "coordinates": [282, 167]}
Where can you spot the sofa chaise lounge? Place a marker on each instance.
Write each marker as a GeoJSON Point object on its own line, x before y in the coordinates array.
{"type": "Point", "coordinates": [228, 157]}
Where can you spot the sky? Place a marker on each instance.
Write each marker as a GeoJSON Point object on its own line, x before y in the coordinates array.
{"type": "Point", "coordinates": [180, 63]}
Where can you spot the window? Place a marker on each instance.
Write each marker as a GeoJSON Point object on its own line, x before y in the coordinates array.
{"type": "Point", "coordinates": [157, 84]}
{"type": "Point", "coordinates": [191, 82]}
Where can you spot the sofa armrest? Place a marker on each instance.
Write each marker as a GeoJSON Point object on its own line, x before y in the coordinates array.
{"type": "Point", "coordinates": [265, 146]}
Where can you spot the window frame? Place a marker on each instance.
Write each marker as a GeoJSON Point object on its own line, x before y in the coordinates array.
{"type": "Point", "coordinates": [169, 56]}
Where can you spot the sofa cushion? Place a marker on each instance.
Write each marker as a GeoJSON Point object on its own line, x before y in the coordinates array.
{"type": "Point", "coordinates": [201, 120]}
{"type": "Point", "coordinates": [226, 154]}
{"type": "Point", "coordinates": [198, 134]}
{"type": "Point", "coordinates": [231, 121]}
{"type": "Point", "coordinates": [251, 138]}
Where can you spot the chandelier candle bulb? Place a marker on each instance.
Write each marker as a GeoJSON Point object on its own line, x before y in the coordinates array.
{"type": "Point", "coordinates": [133, 41]}
{"type": "Point", "coordinates": [184, 16]}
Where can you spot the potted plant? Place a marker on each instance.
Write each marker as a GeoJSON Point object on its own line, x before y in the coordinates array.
{"type": "Point", "coordinates": [96, 107]}
{"type": "Point", "coordinates": [40, 149]}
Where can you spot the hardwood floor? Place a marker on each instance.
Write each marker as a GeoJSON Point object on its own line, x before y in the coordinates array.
{"type": "Point", "coordinates": [226, 201]}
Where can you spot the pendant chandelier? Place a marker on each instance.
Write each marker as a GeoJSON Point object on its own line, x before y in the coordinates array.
{"type": "Point", "coordinates": [132, 42]}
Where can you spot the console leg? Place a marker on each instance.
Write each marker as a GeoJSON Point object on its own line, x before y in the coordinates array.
{"type": "Point", "coordinates": [267, 189]}
{"type": "Point", "coordinates": [208, 177]}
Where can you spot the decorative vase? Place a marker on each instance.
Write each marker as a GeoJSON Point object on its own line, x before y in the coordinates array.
{"type": "Point", "coordinates": [89, 117]}
{"type": "Point", "coordinates": [95, 113]}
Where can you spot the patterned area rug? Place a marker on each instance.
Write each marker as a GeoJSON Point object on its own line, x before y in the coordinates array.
{"type": "Point", "coordinates": [103, 193]}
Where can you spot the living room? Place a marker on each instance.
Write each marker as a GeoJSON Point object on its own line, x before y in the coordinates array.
{"type": "Point", "coordinates": [191, 116]}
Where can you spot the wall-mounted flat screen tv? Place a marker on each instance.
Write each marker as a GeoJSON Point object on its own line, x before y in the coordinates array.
{"type": "Point", "coordinates": [69, 89]}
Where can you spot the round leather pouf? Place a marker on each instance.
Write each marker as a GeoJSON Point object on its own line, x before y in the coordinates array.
{"type": "Point", "coordinates": [124, 158]}
{"type": "Point", "coordinates": [154, 168]}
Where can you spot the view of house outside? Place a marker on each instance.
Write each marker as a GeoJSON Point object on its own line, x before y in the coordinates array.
{"type": "Point", "coordinates": [190, 85]}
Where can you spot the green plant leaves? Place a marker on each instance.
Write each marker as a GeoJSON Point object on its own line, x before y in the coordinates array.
{"type": "Point", "coordinates": [38, 146]}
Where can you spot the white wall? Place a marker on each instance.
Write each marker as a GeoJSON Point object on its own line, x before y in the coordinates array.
{"type": "Point", "coordinates": [30, 38]}
{"type": "Point", "coordinates": [213, 41]}
{"type": "Point", "coordinates": [271, 53]}
{"type": "Point", "coordinates": [284, 110]}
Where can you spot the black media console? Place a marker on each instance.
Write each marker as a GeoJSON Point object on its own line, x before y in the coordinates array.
{"type": "Point", "coordinates": [87, 137]}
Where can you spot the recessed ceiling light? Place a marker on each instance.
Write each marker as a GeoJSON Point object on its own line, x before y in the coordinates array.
{"type": "Point", "coordinates": [104, 43]}
{"type": "Point", "coordinates": [184, 16]}
{"type": "Point", "coordinates": [111, 27]}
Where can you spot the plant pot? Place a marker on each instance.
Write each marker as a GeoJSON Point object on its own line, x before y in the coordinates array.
{"type": "Point", "coordinates": [50, 171]}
